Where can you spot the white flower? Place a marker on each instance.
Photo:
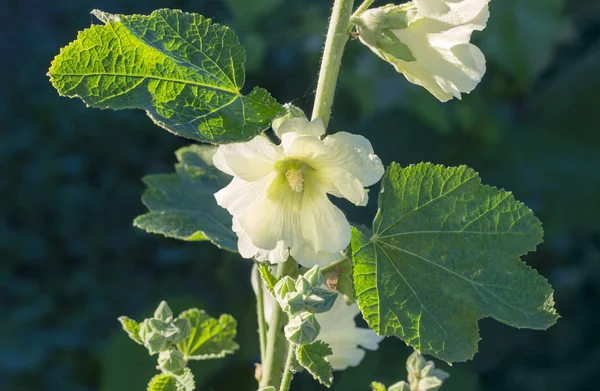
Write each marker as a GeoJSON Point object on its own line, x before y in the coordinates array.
{"type": "Point", "coordinates": [278, 196]}
{"type": "Point", "coordinates": [338, 329]}
{"type": "Point", "coordinates": [429, 42]}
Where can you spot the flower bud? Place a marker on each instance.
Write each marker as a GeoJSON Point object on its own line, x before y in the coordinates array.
{"type": "Point", "coordinates": [313, 276]}
{"type": "Point", "coordinates": [163, 312]}
{"type": "Point", "coordinates": [267, 389]}
{"type": "Point", "coordinates": [181, 330]}
{"type": "Point", "coordinates": [172, 360]}
{"type": "Point", "coordinates": [302, 285]}
{"type": "Point", "coordinates": [376, 386]}
{"type": "Point", "coordinates": [320, 301]}
{"type": "Point", "coordinates": [283, 287]}
{"type": "Point", "coordinates": [302, 329]}
{"type": "Point", "coordinates": [292, 303]}
{"type": "Point", "coordinates": [154, 341]}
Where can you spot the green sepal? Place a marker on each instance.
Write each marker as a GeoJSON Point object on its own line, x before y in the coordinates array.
{"type": "Point", "coordinates": [172, 360]}
{"type": "Point", "coordinates": [132, 328]}
{"type": "Point", "coordinates": [302, 329]}
{"type": "Point", "coordinates": [268, 278]}
{"type": "Point", "coordinates": [375, 386]}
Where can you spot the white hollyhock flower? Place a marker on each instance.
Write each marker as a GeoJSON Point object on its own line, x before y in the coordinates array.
{"type": "Point", "coordinates": [338, 329]}
{"type": "Point", "coordinates": [278, 196]}
{"type": "Point", "coordinates": [429, 42]}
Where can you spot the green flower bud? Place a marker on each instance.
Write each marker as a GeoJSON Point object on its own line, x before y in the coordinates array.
{"type": "Point", "coordinates": [303, 329]}
{"type": "Point", "coordinates": [163, 312]}
{"type": "Point", "coordinates": [283, 287]}
{"type": "Point", "coordinates": [314, 276]}
{"type": "Point", "coordinates": [172, 360]}
{"type": "Point", "coordinates": [293, 303]}
{"type": "Point", "coordinates": [183, 330]}
{"type": "Point", "coordinates": [291, 111]}
{"type": "Point", "coordinates": [154, 341]}
{"type": "Point", "coordinates": [268, 389]}
{"type": "Point", "coordinates": [303, 286]}
{"type": "Point", "coordinates": [321, 300]}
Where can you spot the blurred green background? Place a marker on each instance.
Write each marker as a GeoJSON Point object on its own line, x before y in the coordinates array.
{"type": "Point", "coordinates": [71, 262]}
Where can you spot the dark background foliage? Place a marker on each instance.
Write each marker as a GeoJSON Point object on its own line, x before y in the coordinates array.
{"type": "Point", "coordinates": [71, 262]}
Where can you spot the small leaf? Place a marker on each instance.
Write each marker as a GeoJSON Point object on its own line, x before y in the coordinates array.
{"type": "Point", "coordinates": [267, 276]}
{"type": "Point", "coordinates": [162, 382]}
{"type": "Point", "coordinates": [180, 68]}
{"type": "Point", "coordinates": [183, 206]}
{"type": "Point", "coordinates": [444, 254]}
{"type": "Point", "coordinates": [210, 338]}
{"type": "Point", "coordinates": [185, 381]}
{"type": "Point", "coordinates": [132, 328]}
{"type": "Point", "coordinates": [313, 358]}
{"type": "Point", "coordinates": [375, 386]}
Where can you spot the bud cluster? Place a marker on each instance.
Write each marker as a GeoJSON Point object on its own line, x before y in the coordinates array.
{"type": "Point", "coordinates": [301, 299]}
{"type": "Point", "coordinates": [161, 333]}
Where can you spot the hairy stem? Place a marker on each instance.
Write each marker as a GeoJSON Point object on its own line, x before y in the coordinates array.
{"type": "Point", "coordinates": [271, 370]}
{"type": "Point", "coordinates": [363, 7]}
{"type": "Point", "coordinates": [287, 372]}
{"type": "Point", "coordinates": [260, 314]}
{"type": "Point", "coordinates": [337, 36]}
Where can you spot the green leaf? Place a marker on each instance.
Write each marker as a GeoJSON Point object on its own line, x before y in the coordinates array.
{"type": "Point", "coordinates": [312, 357]}
{"type": "Point", "coordinates": [185, 381]}
{"type": "Point", "coordinates": [210, 338]}
{"type": "Point", "coordinates": [375, 386]}
{"type": "Point", "coordinates": [132, 328]}
{"type": "Point", "coordinates": [163, 382]}
{"type": "Point", "coordinates": [180, 68]}
{"type": "Point", "coordinates": [183, 206]}
{"type": "Point", "coordinates": [444, 254]}
{"type": "Point", "coordinates": [267, 276]}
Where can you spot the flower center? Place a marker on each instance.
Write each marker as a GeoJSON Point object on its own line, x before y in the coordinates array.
{"type": "Point", "coordinates": [295, 179]}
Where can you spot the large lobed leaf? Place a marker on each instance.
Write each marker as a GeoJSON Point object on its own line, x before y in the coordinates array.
{"type": "Point", "coordinates": [210, 338]}
{"type": "Point", "coordinates": [183, 206]}
{"type": "Point", "coordinates": [444, 254]}
{"type": "Point", "coordinates": [183, 70]}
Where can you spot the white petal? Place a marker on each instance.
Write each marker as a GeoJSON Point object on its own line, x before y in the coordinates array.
{"type": "Point", "coordinates": [451, 11]}
{"type": "Point", "coordinates": [294, 128]}
{"type": "Point", "coordinates": [345, 356]}
{"type": "Point", "coordinates": [323, 224]}
{"type": "Point", "coordinates": [305, 255]}
{"type": "Point", "coordinates": [339, 330]}
{"type": "Point", "coordinates": [446, 63]}
{"type": "Point", "coordinates": [250, 161]}
{"type": "Point", "coordinates": [239, 195]}
{"type": "Point", "coordinates": [302, 127]}
{"type": "Point", "coordinates": [355, 154]}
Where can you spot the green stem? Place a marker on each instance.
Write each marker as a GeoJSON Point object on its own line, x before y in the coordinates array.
{"type": "Point", "coordinates": [260, 316]}
{"type": "Point", "coordinates": [363, 7]}
{"type": "Point", "coordinates": [287, 372]}
{"type": "Point", "coordinates": [337, 36]}
{"type": "Point", "coordinates": [271, 370]}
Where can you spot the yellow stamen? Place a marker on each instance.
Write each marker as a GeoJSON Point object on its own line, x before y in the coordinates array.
{"type": "Point", "coordinates": [295, 179]}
